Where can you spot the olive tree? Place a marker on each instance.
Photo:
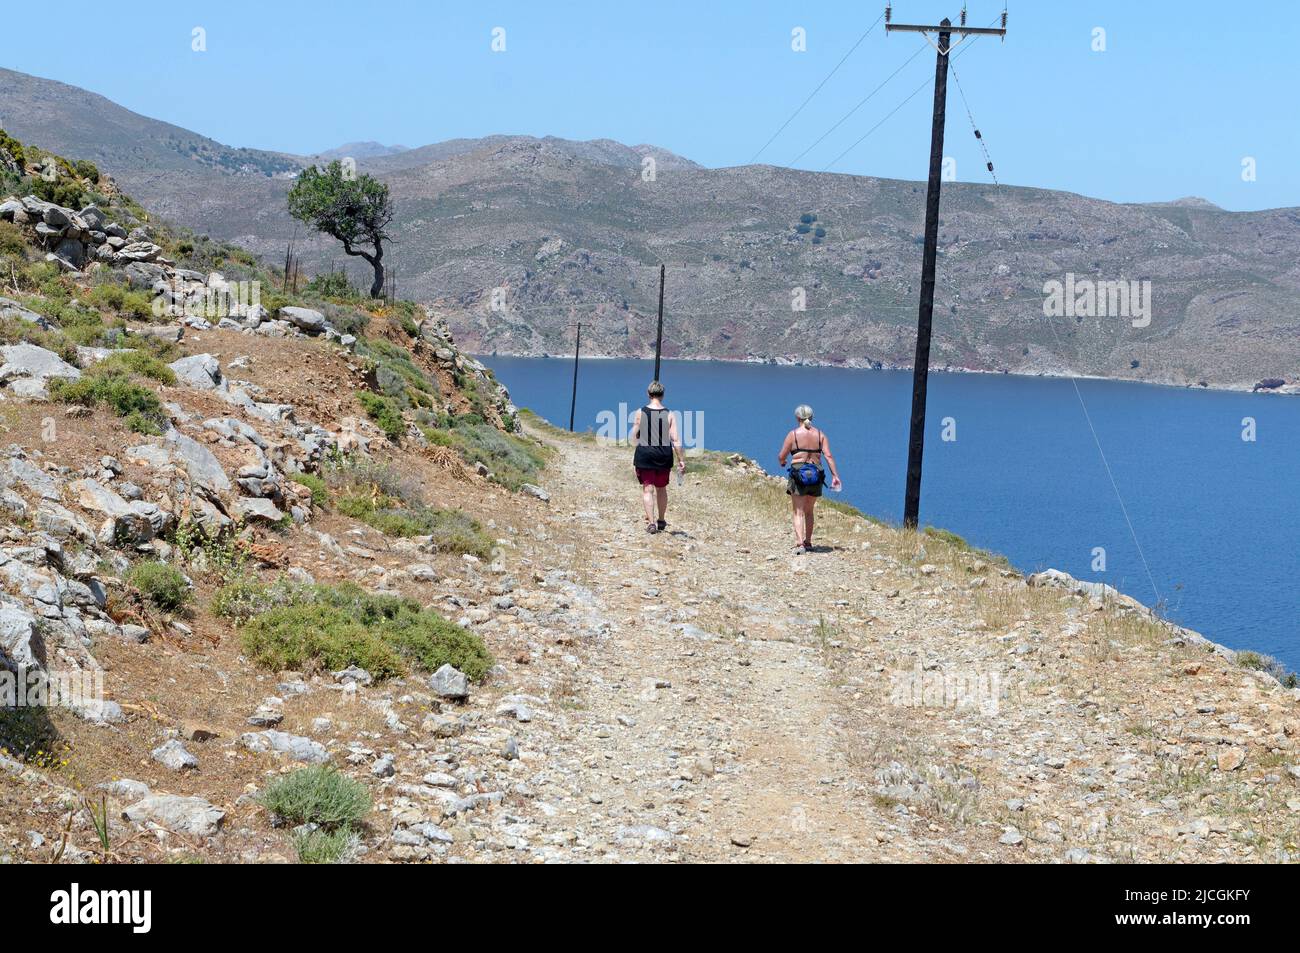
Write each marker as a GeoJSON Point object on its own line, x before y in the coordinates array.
{"type": "Point", "coordinates": [354, 209]}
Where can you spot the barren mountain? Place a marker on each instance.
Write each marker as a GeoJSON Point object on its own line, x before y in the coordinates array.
{"type": "Point", "coordinates": [575, 231]}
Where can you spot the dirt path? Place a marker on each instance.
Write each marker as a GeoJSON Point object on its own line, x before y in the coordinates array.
{"type": "Point", "coordinates": [928, 707]}
{"type": "Point", "coordinates": [751, 704]}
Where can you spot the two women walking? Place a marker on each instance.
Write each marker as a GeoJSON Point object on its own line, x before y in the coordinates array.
{"type": "Point", "coordinates": [659, 445]}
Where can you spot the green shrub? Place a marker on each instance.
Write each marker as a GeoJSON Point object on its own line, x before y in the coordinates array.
{"type": "Point", "coordinates": [332, 627]}
{"type": "Point", "coordinates": [242, 598]}
{"type": "Point", "coordinates": [1262, 663]}
{"type": "Point", "coordinates": [332, 803]}
{"type": "Point", "coordinates": [138, 362]}
{"type": "Point", "coordinates": [346, 319]}
{"type": "Point", "coordinates": [14, 148]}
{"type": "Point", "coordinates": [160, 583]}
{"type": "Point", "coordinates": [513, 460]}
{"type": "Point", "coordinates": [320, 494]}
{"type": "Point", "coordinates": [352, 475]}
{"type": "Point", "coordinates": [438, 438]}
{"type": "Point", "coordinates": [384, 412]}
{"type": "Point", "coordinates": [87, 170]}
{"type": "Point", "coordinates": [453, 531]}
{"type": "Point", "coordinates": [12, 242]}
{"type": "Point", "coordinates": [14, 331]}
{"type": "Point", "coordinates": [317, 636]}
{"type": "Point", "coordinates": [317, 795]}
{"type": "Point", "coordinates": [323, 847]}
{"type": "Point", "coordinates": [63, 191]}
{"type": "Point", "coordinates": [82, 326]}
{"type": "Point", "coordinates": [332, 284]}
{"type": "Point", "coordinates": [396, 375]}
{"type": "Point", "coordinates": [111, 385]}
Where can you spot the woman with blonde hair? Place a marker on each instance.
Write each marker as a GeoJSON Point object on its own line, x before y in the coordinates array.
{"type": "Point", "coordinates": [806, 447]}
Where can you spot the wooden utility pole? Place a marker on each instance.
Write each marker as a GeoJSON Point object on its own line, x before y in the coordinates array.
{"type": "Point", "coordinates": [925, 314]}
{"type": "Point", "coordinates": [659, 335]}
{"type": "Point", "coordinates": [573, 401]}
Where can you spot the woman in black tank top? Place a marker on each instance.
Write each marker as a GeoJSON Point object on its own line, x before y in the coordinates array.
{"type": "Point", "coordinates": [657, 445]}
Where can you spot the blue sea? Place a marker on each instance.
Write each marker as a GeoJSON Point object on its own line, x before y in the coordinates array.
{"type": "Point", "coordinates": [1158, 481]}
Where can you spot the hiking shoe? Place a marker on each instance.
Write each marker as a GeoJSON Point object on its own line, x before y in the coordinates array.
{"type": "Point", "coordinates": [662, 524]}
{"type": "Point", "coordinates": [651, 528]}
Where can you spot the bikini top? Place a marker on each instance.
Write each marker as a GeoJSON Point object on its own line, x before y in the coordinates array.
{"type": "Point", "coordinates": [821, 439]}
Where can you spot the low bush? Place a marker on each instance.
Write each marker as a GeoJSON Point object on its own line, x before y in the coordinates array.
{"type": "Point", "coordinates": [242, 598]}
{"type": "Point", "coordinates": [1265, 663]}
{"type": "Point", "coordinates": [384, 412]}
{"type": "Point", "coordinates": [453, 531]}
{"type": "Point", "coordinates": [162, 584]}
{"type": "Point", "coordinates": [111, 296]}
{"type": "Point", "coordinates": [321, 627]}
{"type": "Point", "coordinates": [12, 242]}
{"type": "Point", "coordinates": [324, 847]}
{"type": "Point", "coordinates": [330, 803]}
{"type": "Point", "coordinates": [317, 795]}
{"type": "Point", "coordinates": [110, 385]}
{"type": "Point", "coordinates": [320, 494]}
{"type": "Point", "coordinates": [346, 318]}
{"type": "Point", "coordinates": [513, 460]}
{"type": "Point", "coordinates": [138, 362]}
{"type": "Point", "coordinates": [396, 375]}
{"type": "Point", "coordinates": [333, 284]}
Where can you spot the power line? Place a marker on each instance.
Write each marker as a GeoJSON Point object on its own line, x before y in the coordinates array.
{"type": "Point", "coordinates": [817, 90]}
{"type": "Point", "coordinates": [890, 114]}
{"type": "Point", "coordinates": [988, 160]}
{"type": "Point", "coordinates": [862, 102]}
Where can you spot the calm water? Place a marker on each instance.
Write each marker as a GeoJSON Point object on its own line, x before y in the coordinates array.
{"type": "Point", "coordinates": [1216, 516]}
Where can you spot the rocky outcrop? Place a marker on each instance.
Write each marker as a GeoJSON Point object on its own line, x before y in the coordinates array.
{"type": "Point", "coordinates": [435, 332]}
{"type": "Point", "coordinates": [27, 369]}
{"type": "Point", "coordinates": [74, 239]}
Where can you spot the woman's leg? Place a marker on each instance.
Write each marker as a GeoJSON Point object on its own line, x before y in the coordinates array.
{"type": "Point", "coordinates": [661, 494]}
{"type": "Point", "coordinates": [796, 502]}
{"type": "Point", "coordinates": [809, 503]}
{"type": "Point", "coordinates": [648, 501]}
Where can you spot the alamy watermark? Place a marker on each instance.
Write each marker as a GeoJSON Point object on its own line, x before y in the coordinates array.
{"type": "Point", "coordinates": [1086, 298]}
{"type": "Point", "coordinates": [27, 687]}
{"type": "Point", "coordinates": [617, 427]}
{"type": "Point", "coordinates": [956, 689]}
{"type": "Point", "coordinates": [232, 299]}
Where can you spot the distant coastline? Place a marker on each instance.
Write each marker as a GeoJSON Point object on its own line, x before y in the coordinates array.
{"type": "Point", "coordinates": [1289, 389]}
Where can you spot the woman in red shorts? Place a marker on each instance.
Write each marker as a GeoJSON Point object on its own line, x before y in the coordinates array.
{"type": "Point", "coordinates": [657, 444]}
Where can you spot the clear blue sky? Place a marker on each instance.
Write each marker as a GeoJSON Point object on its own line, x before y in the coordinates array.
{"type": "Point", "coordinates": [1182, 93]}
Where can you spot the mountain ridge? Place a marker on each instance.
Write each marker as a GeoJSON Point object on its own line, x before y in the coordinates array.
{"type": "Point", "coordinates": [577, 229]}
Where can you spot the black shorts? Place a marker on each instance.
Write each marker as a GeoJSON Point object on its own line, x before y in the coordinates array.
{"type": "Point", "coordinates": [795, 488]}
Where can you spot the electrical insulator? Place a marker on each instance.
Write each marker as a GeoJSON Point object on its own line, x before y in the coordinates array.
{"type": "Point", "coordinates": [889, 13]}
{"type": "Point", "coordinates": [963, 16]}
{"type": "Point", "coordinates": [977, 134]}
{"type": "Point", "coordinates": [1004, 19]}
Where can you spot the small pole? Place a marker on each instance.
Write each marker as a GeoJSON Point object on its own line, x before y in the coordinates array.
{"type": "Point", "coordinates": [573, 401]}
{"type": "Point", "coordinates": [659, 335]}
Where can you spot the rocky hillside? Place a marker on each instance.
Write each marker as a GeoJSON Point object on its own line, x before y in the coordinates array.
{"type": "Point", "coordinates": [576, 231]}
{"type": "Point", "coordinates": [290, 580]}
